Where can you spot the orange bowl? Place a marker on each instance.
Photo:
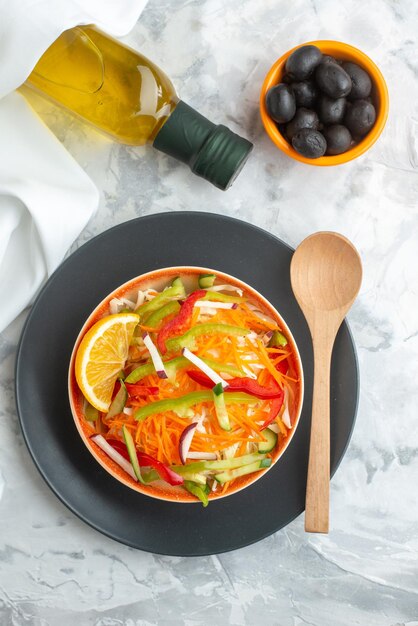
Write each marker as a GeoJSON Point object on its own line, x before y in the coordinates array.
{"type": "Point", "coordinates": [160, 278]}
{"type": "Point", "coordinates": [344, 52]}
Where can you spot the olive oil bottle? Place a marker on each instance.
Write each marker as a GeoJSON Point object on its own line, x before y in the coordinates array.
{"type": "Point", "coordinates": [123, 94]}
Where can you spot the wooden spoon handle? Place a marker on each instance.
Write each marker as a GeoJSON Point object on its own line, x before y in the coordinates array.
{"type": "Point", "coordinates": [317, 489]}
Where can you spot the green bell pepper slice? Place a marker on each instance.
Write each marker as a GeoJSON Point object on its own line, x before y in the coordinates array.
{"type": "Point", "coordinates": [182, 405]}
{"type": "Point", "coordinates": [188, 339]}
{"type": "Point", "coordinates": [155, 319]}
{"type": "Point", "coordinates": [175, 292]}
{"type": "Point", "coordinates": [198, 491]}
{"type": "Point", "coordinates": [178, 363]}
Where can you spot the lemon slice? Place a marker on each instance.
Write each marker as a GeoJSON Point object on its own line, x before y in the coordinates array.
{"type": "Point", "coordinates": [101, 355]}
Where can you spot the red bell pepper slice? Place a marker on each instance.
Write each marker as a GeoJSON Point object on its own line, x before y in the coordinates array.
{"type": "Point", "coordinates": [282, 366]}
{"type": "Point", "coordinates": [276, 405]}
{"type": "Point", "coordinates": [245, 384]}
{"type": "Point", "coordinates": [181, 322]}
{"type": "Point", "coordinates": [119, 447]}
{"type": "Point", "coordinates": [145, 460]}
{"type": "Point", "coordinates": [135, 389]}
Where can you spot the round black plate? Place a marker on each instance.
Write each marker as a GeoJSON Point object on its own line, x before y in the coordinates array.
{"type": "Point", "coordinates": [78, 285]}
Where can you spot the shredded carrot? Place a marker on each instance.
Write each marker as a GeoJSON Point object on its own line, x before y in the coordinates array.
{"type": "Point", "coordinates": [277, 351]}
{"type": "Point", "coordinates": [259, 320]}
{"type": "Point", "coordinates": [268, 364]}
{"type": "Point", "coordinates": [159, 434]}
{"type": "Point", "coordinates": [282, 427]}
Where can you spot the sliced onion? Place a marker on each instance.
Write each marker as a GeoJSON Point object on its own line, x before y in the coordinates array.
{"type": "Point", "coordinates": [226, 288]}
{"type": "Point", "coordinates": [128, 303]}
{"type": "Point", "coordinates": [204, 368]}
{"type": "Point", "coordinates": [139, 299]}
{"type": "Point", "coordinates": [208, 304]}
{"type": "Point", "coordinates": [200, 427]}
{"type": "Point", "coordinates": [206, 312]}
{"type": "Point", "coordinates": [274, 427]}
{"type": "Point", "coordinates": [267, 337]}
{"type": "Point", "coordinates": [185, 441]}
{"type": "Point", "coordinates": [230, 451]}
{"type": "Point", "coordinates": [149, 294]}
{"type": "Point", "coordinates": [114, 455]}
{"type": "Point", "coordinates": [260, 314]}
{"type": "Point", "coordinates": [115, 305]}
{"type": "Point", "coordinates": [155, 356]}
{"type": "Point", "coordinates": [128, 410]}
{"type": "Point", "coordinates": [249, 372]}
{"type": "Point", "coordinates": [202, 456]}
{"type": "Point", "coordinates": [252, 337]}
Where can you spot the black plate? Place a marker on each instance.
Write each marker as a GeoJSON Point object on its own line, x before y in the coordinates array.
{"type": "Point", "coordinates": [74, 290]}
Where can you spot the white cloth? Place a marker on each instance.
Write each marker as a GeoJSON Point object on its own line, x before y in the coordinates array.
{"type": "Point", "coordinates": [46, 199]}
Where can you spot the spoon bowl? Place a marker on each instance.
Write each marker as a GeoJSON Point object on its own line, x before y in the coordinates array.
{"type": "Point", "coordinates": [332, 278]}
{"type": "Point", "coordinates": [326, 275]}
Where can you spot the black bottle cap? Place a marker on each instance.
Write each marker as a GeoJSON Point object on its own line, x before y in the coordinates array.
{"type": "Point", "coordinates": [212, 152]}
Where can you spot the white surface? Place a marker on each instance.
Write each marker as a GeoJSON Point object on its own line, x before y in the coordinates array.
{"type": "Point", "coordinates": [45, 197]}
{"type": "Point", "coordinates": [56, 570]}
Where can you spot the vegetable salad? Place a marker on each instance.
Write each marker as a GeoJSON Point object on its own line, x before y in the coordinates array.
{"type": "Point", "coordinates": [208, 393]}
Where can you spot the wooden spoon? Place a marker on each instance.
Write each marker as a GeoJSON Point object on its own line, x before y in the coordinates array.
{"type": "Point", "coordinates": [325, 273]}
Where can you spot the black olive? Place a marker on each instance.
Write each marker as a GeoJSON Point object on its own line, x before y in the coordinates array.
{"type": "Point", "coordinates": [309, 143]}
{"type": "Point", "coordinates": [361, 83]}
{"type": "Point", "coordinates": [331, 111]}
{"type": "Point", "coordinates": [304, 118]}
{"type": "Point", "coordinates": [280, 103]}
{"type": "Point", "coordinates": [286, 79]}
{"type": "Point", "coordinates": [305, 92]}
{"type": "Point", "coordinates": [302, 62]}
{"type": "Point", "coordinates": [360, 117]}
{"type": "Point", "coordinates": [338, 138]}
{"type": "Point", "coordinates": [332, 80]}
{"type": "Point", "coordinates": [326, 58]}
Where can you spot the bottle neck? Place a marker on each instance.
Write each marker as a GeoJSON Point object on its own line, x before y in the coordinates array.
{"type": "Point", "coordinates": [212, 151]}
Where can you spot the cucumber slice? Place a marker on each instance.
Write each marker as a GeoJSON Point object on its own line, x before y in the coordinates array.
{"type": "Point", "coordinates": [206, 280]}
{"type": "Point", "coordinates": [91, 413]}
{"type": "Point", "coordinates": [277, 340]}
{"type": "Point", "coordinates": [130, 444]}
{"type": "Point", "coordinates": [199, 479]}
{"type": "Point", "coordinates": [118, 402]}
{"type": "Point", "coordinates": [220, 407]}
{"type": "Point", "coordinates": [176, 291]}
{"type": "Point", "coordinates": [156, 319]}
{"type": "Point", "coordinates": [178, 284]}
{"type": "Point", "coordinates": [213, 466]}
{"type": "Point", "coordinates": [270, 443]}
{"type": "Point", "coordinates": [225, 477]}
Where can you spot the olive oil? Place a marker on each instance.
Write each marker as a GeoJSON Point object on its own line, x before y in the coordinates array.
{"type": "Point", "coordinates": [122, 93]}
